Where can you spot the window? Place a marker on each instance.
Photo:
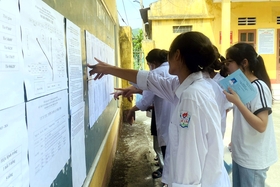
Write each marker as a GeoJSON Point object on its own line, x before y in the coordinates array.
{"type": "Point", "coordinates": [247, 36]}
{"type": "Point", "coordinates": [247, 21]}
{"type": "Point", "coordinates": [181, 29]}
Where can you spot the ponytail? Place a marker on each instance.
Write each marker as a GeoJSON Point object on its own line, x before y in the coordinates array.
{"type": "Point", "coordinates": [259, 71]}
{"type": "Point", "coordinates": [241, 51]}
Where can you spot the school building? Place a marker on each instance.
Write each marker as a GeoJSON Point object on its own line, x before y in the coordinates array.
{"type": "Point", "coordinates": [225, 22]}
{"type": "Point", "coordinates": [38, 34]}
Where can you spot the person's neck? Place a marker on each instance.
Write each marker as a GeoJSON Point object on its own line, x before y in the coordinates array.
{"type": "Point", "coordinates": [250, 76]}
{"type": "Point", "coordinates": [183, 75]}
{"type": "Point", "coordinates": [212, 74]}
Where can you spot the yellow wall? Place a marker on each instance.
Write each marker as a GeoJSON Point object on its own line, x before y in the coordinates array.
{"type": "Point", "coordinates": [164, 39]}
{"type": "Point", "coordinates": [202, 15]}
{"type": "Point", "coordinates": [147, 46]}
{"type": "Point", "coordinates": [126, 54]}
{"type": "Point", "coordinates": [265, 13]}
{"type": "Point", "coordinates": [209, 18]}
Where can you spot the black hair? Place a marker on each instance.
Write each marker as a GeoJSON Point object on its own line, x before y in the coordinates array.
{"type": "Point", "coordinates": [218, 64]}
{"type": "Point", "coordinates": [157, 56]}
{"type": "Point", "coordinates": [224, 70]}
{"type": "Point", "coordinates": [196, 50]}
{"type": "Point", "coordinates": [241, 51]}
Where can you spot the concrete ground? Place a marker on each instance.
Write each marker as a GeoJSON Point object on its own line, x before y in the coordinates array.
{"type": "Point", "coordinates": [135, 163]}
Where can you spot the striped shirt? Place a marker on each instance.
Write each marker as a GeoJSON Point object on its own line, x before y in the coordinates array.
{"type": "Point", "coordinates": [250, 148]}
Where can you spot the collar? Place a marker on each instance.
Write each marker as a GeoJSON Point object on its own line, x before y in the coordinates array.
{"type": "Point", "coordinates": [187, 82]}
{"type": "Point", "coordinates": [206, 75]}
{"type": "Point", "coordinates": [164, 64]}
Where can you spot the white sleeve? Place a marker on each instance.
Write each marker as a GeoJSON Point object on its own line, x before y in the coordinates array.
{"type": "Point", "coordinates": [263, 99]}
{"type": "Point", "coordinates": [183, 185]}
{"type": "Point", "coordinates": [146, 100]}
{"type": "Point", "coordinates": [163, 87]}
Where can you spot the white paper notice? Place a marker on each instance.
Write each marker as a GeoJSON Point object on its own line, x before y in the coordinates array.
{"type": "Point", "coordinates": [11, 62]}
{"type": "Point", "coordinates": [43, 43]}
{"type": "Point", "coordinates": [78, 147]}
{"type": "Point", "coordinates": [74, 62]}
{"type": "Point", "coordinates": [13, 147]}
{"type": "Point", "coordinates": [99, 92]}
{"type": "Point", "coordinates": [266, 41]}
{"type": "Point", "coordinates": [48, 131]}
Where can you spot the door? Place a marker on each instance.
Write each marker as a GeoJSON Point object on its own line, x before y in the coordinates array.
{"type": "Point", "coordinates": [247, 36]}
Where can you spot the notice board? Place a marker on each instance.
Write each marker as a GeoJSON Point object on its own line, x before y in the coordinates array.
{"type": "Point", "coordinates": [45, 103]}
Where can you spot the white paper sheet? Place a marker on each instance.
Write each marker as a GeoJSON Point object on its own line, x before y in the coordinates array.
{"type": "Point", "coordinates": [99, 92]}
{"type": "Point", "coordinates": [74, 63]}
{"type": "Point", "coordinates": [14, 169]}
{"type": "Point", "coordinates": [43, 42]}
{"type": "Point", "coordinates": [11, 61]}
{"type": "Point", "coordinates": [78, 156]}
{"type": "Point", "coordinates": [266, 41]}
{"type": "Point", "coordinates": [48, 131]}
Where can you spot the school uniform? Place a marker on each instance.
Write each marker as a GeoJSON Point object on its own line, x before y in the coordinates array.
{"type": "Point", "coordinates": [218, 77]}
{"type": "Point", "coordinates": [145, 102]}
{"type": "Point", "coordinates": [220, 98]}
{"type": "Point", "coordinates": [162, 108]}
{"type": "Point", "coordinates": [250, 148]}
{"type": "Point", "coordinates": [195, 139]}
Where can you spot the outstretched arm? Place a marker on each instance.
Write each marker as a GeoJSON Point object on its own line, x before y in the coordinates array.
{"type": "Point", "coordinates": [129, 91]}
{"type": "Point", "coordinates": [103, 68]}
{"type": "Point", "coordinates": [126, 92]}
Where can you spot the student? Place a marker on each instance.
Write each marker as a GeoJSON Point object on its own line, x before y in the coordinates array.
{"type": "Point", "coordinates": [217, 72]}
{"type": "Point", "coordinates": [195, 139]}
{"type": "Point", "coordinates": [157, 61]}
{"type": "Point", "coordinates": [253, 140]}
{"type": "Point", "coordinates": [144, 104]}
{"type": "Point", "coordinates": [224, 105]}
{"type": "Point", "coordinates": [214, 74]}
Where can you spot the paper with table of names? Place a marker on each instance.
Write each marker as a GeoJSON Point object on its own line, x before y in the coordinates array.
{"type": "Point", "coordinates": [78, 157]}
{"type": "Point", "coordinates": [11, 60]}
{"type": "Point", "coordinates": [76, 103]}
{"type": "Point", "coordinates": [48, 132]}
{"type": "Point", "coordinates": [74, 63]}
{"type": "Point", "coordinates": [14, 170]}
{"type": "Point", "coordinates": [240, 84]}
{"type": "Point", "coordinates": [43, 43]}
{"type": "Point", "coordinates": [99, 92]}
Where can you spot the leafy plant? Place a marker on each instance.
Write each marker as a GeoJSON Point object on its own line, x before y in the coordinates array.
{"type": "Point", "coordinates": [138, 56]}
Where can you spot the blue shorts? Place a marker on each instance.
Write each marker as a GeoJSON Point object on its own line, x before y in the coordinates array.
{"type": "Point", "coordinates": [244, 177]}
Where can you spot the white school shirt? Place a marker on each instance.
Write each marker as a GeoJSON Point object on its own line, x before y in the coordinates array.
{"type": "Point", "coordinates": [250, 148]}
{"type": "Point", "coordinates": [146, 100]}
{"type": "Point", "coordinates": [221, 100]}
{"type": "Point", "coordinates": [195, 140]}
{"type": "Point", "coordinates": [162, 106]}
{"type": "Point", "coordinates": [218, 77]}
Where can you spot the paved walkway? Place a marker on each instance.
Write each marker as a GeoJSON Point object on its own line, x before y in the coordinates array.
{"type": "Point", "coordinates": [134, 161]}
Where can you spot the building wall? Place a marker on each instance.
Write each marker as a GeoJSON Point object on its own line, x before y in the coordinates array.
{"type": "Point", "coordinates": [201, 15]}
{"type": "Point", "coordinates": [266, 14]}
{"type": "Point", "coordinates": [208, 17]}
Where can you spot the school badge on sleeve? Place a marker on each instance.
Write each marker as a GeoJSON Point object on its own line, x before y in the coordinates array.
{"type": "Point", "coordinates": [185, 119]}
